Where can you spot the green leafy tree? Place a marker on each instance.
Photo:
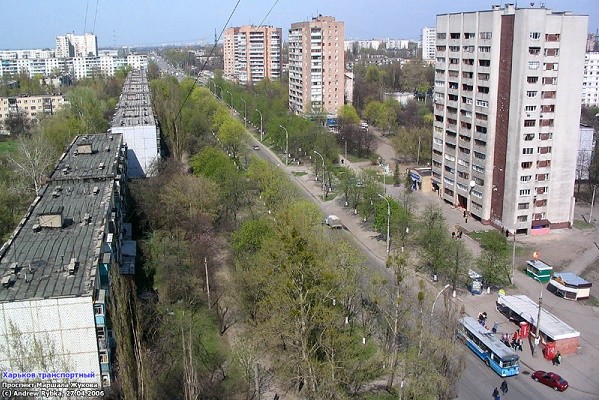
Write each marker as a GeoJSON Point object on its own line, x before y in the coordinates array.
{"type": "Point", "coordinates": [434, 240]}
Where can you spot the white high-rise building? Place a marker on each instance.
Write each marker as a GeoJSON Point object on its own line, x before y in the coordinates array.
{"type": "Point", "coordinates": [590, 83]}
{"type": "Point", "coordinates": [316, 66]}
{"type": "Point", "coordinates": [429, 38]}
{"type": "Point", "coordinates": [72, 45]}
{"type": "Point", "coordinates": [507, 112]}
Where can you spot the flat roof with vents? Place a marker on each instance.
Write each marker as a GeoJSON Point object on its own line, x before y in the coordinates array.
{"type": "Point", "coordinates": [60, 242]}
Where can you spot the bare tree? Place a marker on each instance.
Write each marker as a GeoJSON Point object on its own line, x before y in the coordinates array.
{"type": "Point", "coordinates": [33, 159]}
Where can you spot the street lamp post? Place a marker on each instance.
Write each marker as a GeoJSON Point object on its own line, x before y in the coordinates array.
{"type": "Point", "coordinates": [244, 112]}
{"type": "Point", "coordinates": [323, 175]}
{"type": "Point", "coordinates": [230, 94]}
{"type": "Point", "coordinates": [435, 302]}
{"type": "Point", "coordinates": [220, 91]}
{"type": "Point", "coordinates": [286, 144]}
{"type": "Point", "coordinates": [537, 338]}
{"type": "Point", "coordinates": [388, 222]}
{"type": "Point", "coordinates": [261, 133]}
{"type": "Point", "coordinates": [513, 256]}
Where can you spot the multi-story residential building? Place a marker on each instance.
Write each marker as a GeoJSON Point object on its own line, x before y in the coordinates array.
{"type": "Point", "coordinates": [252, 53]}
{"type": "Point", "coordinates": [31, 107]}
{"type": "Point", "coordinates": [507, 112]}
{"type": "Point", "coordinates": [586, 150]}
{"type": "Point", "coordinates": [71, 45]}
{"type": "Point", "coordinates": [399, 44]}
{"type": "Point", "coordinates": [135, 120]}
{"type": "Point", "coordinates": [590, 83]}
{"type": "Point", "coordinates": [55, 268]}
{"type": "Point", "coordinates": [77, 67]}
{"type": "Point", "coordinates": [316, 66]}
{"type": "Point", "coordinates": [429, 38]}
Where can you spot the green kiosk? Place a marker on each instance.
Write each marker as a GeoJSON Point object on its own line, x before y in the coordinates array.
{"type": "Point", "coordinates": [539, 270]}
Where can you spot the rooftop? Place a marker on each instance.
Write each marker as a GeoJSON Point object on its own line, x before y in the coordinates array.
{"type": "Point", "coordinates": [55, 250]}
{"type": "Point", "coordinates": [551, 325]}
{"type": "Point", "coordinates": [135, 104]}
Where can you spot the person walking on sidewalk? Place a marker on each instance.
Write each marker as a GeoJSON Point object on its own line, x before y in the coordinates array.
{"type": "Point", "coordinates": [504, 387]}
{"type": "Point", "coordinates": [495, 394]}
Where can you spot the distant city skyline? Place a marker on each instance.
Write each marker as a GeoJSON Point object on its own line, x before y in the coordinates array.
{"type": "Point", "coordinates": [28, 24]}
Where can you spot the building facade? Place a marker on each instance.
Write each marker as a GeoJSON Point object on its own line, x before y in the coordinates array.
{"type": "Point", "coordinates": [316, 66]}
{"type": "Point", "coordinates": [586, 151]}
{"type": "Point", "coordinates": [30, 107]}
{"type": "Point", "coordinates": [429, 38]}
{"type": "Point", "coordinates": [54, 269]}
{"type": "Point", "coordinates": [590, 83]}
{"type": "Point", "coordinates": [71, 45]}
{"type": "Point", "coordinates": [507, 110]}
{"type": "Point", "coordinates": [252, 53]}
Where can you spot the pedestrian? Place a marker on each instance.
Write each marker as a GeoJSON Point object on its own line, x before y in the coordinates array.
{"type": "Point", "coordinates": [558, 358]}
{"type": "Point", "coordinates": [495, 327]}
{"type": "Point", "coordinates": [466, 219]}
{"type": "Point", "coordinates": [459, 234]}
{"type": "Point", "coordinates": [495, 393]}
{"type": "Point", "coordinates": [554, 359]}
{"type": "Point", "coordinates": [464, 213]}
{"type": "Point", "coordinates": [453, 235]}
{"type": "Point", "coordinates": [504, 387]}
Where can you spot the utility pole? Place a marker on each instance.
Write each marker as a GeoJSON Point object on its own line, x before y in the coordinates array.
{"type": "Point", "coordinates": [513, 257]}
{"type": "Point", "coordinates": [286, 144]}
{"type": "Point", "coordinates": [592, 204]}
{"type": "Point", "coordinates": [207, 284]}
{"type": "Point", "coordinates": [538, 334]}
{"type": "Point", "coordinates": [261, 132]}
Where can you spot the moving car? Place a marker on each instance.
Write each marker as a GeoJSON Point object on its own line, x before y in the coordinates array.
{"type": "Point", "coordinates": [550, 379]}
{"type": "Point", "coordinates": [334, 222]}
{"type": "Point", "coordinates": [256, 147]}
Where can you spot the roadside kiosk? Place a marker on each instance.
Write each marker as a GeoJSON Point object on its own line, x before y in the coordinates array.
{"type": "Point", "coordinates": [539, 270]}
{"type": "Point", "coordinates": [475, 282]}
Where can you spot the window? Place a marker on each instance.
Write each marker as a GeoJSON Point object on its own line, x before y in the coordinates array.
{"type": "Point", "coordinates": [529, 136]}
{"type": "Point", "coordinates": [550, 81]}
{"type": "Point", "coordinates": [531, 93]}
{"type": "Point", "coordinates": [484, 63]}
{"type": "Point", "coordinates": [441, 35]}
{"type": "Point", "coordinates": [534, 64]}
{"type": "Point", "coordinates": [467, 75]}
{"type": "Point", "coordinates": [454, 48]}
{"type": "Point", "coordinates": [481, 129]}
{"type": "Point", "coordinates": [469, 35]}
{"type": "Point", "coordinates": [483, 76]}
{"type": "Point", "coordinates": [527, 150]}
{"type": "Point", "coordinates": [552, 52]}
{"type": "Point", "coordinates": [454, 61]}
{"type": "Point", "coordinates": [484, 49]}
{"type": "Point", "coordinates": [552, 37]}
{"type": "Point", "coordinates": [524, 192]}
{"type": "Point", "coordinates": [530, 122]}
{"type": "Point", "coordinates": [530, 108]}
{"type": "Point", "coordinates": [548, 108]}
{"type": "Point", "coordinates": [526, 165]}
{"type": "Point", "coordinates": [525, 178]}
{"type": "Point", "coordinates": [483, 89]}
{"type": "Point", "coordinates": [467, 88]}
{"type": "Point", "coordinates": [542, 190]}
{"type": "Point", "coordinates": [544, 150]}
{"type": "Point", "coordinates": [548, 94]}
{"type": "Point", "coordinates": [479, 156]}
{"type": "Point", "coordinates": [468, 61]}
{"type": "Point", "coordinates": [542, 177]}
{"type": "Point", "coordinates": [532, 79]}
{"type": "Point", "coordinates": [534, 51]}
{"type": "Point", "coordinates": [466, 100]}
{"type": "Point", "coordinates": [98, 309]}
{"type": "Point", "coordinates": [454, 35]}
{"type": "Point", "coordinates": [469, 49]}
{"type": "Point", "coordinates": [550, 66]}
{"type": "Point", "coordinates": [523, 206]}
{"type": "Point", "coordinates": [441, 48]}
{"type": "Point", "coordinates": [484, 35]}
{"type": "Point", "coordinates": [482, 117]}
{"type": "Point", "coordinates": [522, 218]}
{"type": "Point", "coordinates": [482, 103]}
{"type": "Point", "coordinates": [535, 35]}
{"type": "Point", "coordinates": [478, 169]}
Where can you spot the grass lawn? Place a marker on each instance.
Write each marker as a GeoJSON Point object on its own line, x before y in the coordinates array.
{"type": "Point", "coordinates": [580, 224]}
{"type": "Point", "coordinates": [8, 145]}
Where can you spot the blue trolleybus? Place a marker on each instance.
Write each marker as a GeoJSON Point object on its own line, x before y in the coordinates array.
{"type": "Point", "coordinates": [501, 358]}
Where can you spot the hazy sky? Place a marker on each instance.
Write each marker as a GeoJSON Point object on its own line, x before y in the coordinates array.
{"type": "Point", "coordinates": [28, 24]}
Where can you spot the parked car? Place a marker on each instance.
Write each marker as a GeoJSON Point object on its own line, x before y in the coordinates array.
{"type": "Point", "coordinates": [256, 147]}
{"type": "Point", "coordinates": [334, 222]}
{"type": "Point", "coordinates": [551, 379]}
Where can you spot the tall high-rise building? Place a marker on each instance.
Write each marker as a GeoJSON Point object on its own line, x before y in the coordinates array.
{"type": "Point", "coordinates": [507, 109]}
{"type": "Point", "coordinates": [590, 83]}
{"type": "Point", "coordinates": [316, 66]}
{"type": "Point", "coordinates": [429, 38]}
{"type": "Point", "coordinates": [71, 45]}
{"type": "Point", "coordinates": [252, 53]}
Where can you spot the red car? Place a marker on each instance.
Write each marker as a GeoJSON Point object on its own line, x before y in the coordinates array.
{"type": "Point", "coordinates": [551, 379]}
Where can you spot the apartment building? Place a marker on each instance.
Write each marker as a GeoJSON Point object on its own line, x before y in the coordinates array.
{"type": "Point", "coordinates": [507, 111]}
{"type": "Point", "coordinates": [316, 66]}
{"type": "Point", "coordinates": [134, 119]}
{"type": "Point", "coordinates": [31, 107]}
{"type": "Point", "coordinates": [54, 269]}
{"type": "Point", "coordinates": [252, 53]}
{"type": "Point", "coordinates": [429, 38]}
{"type": "Point", "coordinates": [71, 45]}
{"type": "Point", "coordinates": [590, 82]}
